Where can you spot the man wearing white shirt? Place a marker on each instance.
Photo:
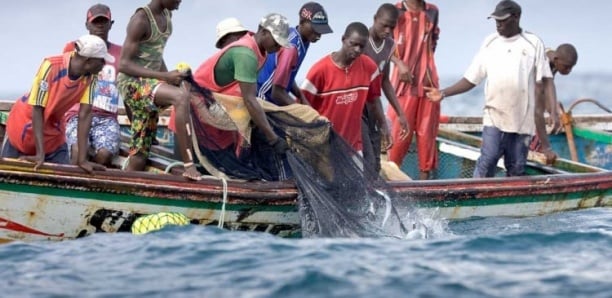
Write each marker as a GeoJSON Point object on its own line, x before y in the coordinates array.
{"type": "Point", "coordinates": [513, 62]}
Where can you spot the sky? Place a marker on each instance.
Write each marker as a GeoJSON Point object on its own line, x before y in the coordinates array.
{"type": "Point", "coordinates": [34, 29]}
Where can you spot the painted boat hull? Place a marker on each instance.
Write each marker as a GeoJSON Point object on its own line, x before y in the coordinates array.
{"type": "Point", "coordinates": [58, 203]}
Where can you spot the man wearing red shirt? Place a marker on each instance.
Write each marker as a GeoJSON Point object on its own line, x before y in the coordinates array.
{"type": "Point", "coordinates": [340, 85]}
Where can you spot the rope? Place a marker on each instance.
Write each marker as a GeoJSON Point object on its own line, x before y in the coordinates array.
{"type": "Point", "coordinates": [172, 165]}
{"type": "Point", "coordinates": [125, 163]}
{"type": "Point", "coordinates": [222, 215]}
{"type": "Point", "coordinates": [593, 101]}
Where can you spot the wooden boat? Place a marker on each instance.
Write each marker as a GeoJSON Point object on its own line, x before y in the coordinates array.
{"type": "Point", "coordinates": [585, 138]}
{"type": "Point", "coordinates": [61, 202]}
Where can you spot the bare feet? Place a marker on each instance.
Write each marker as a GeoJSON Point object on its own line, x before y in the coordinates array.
{"type": "Point", "coordinates": [192, 173]}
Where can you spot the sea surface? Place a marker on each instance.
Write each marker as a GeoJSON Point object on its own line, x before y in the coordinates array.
{"type": "Point", "coordinates": [559, 255]}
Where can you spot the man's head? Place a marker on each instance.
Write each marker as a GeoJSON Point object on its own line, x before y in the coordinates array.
{"type": "Point", "coordinates": [98, 21]}
{"type": "Point", "coordinates": [313, 21]}
{"type": "Point", "coordinates": [275, 32]}
{"type": "Point", "coordinates": [507, 16]}
{"type": "Point", "coordinates": [92, 49]}
{"type": "Point", "coordinates": [354, 40]}
{"type": "Point", "coordinates": [385, 20]}
{"type": "Point", "coordinates": [565, 58]}
{"type": "Point", "coordinates": [169, 4]}
{"type": "Point", "coordinates": [228, 31]}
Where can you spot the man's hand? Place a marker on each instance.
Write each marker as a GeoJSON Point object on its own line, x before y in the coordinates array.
{"type": "Point", "coordinates": [434, 94]}
{"type": "Point", "coordinates": [38, 160]}
{"type": "Point", "coordinates": [386, 138]}
{"type": "Point", "coordinates": [403, 71]}
{"type": "Point", "coordinates": [89, 167]}
{"type": "Point", "coordinates": [551, 156]}
{"type": "Point", "coordinates": [405, 128]}
{"type": "Point", "coordinates": [280, 146]}
{"type": "Point", "coordinates": [175, 77]}
{"type": "Point", "coordinates": [555, 119]}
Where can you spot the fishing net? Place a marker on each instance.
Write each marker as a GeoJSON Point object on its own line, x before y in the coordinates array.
{"type": "Point", "coordinates": [338, 196]}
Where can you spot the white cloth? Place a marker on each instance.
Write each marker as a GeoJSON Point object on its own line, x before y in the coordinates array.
{"type": "Point", "coordinates": [511, 66]}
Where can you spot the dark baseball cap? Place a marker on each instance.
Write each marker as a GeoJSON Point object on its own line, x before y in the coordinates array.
{"type": "Point", "coordinates": [505, 9]}
{"type": "Point", "coordinates": [314, 12]}
{"type": "Point", "coordinates": [98, 10]}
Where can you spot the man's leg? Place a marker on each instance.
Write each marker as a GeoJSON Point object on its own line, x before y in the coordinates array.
{"type": "Point", "coordinates": [490, 152]}
{"type": "Point", "coordinates": [137, 96]}
{"type": "Point", "coordinates": [166, 95]}
{"type": "Point", "coordinates": [105, 139]}
{"type": "Point", "coordinates": [9, 150]}
{"type": "Point", "coordinates": [368, 148]}
{"type": "Point", "coordinates": [427, 123]}
{"type": "Point", "coordinates": [71, 138]}
{"type": "Point", "coordinates": [515, 154]}
{"type": "Point", "coordinates": [59, 156]}
{"type": "Point", "coordinates": [400, 148]}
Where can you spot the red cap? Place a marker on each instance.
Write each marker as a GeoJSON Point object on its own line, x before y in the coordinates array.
{"type": "Point", "coordinates": [98, 10]}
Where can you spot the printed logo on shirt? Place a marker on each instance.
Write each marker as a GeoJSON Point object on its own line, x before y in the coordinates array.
{"type": "Point", "coordinates": [347, 98]}
{"type": "Point", "coordinates": [43, 86]}
{"type": "Point", "coordinates": [106, 94]}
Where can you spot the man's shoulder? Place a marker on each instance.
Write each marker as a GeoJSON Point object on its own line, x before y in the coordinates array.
{"type": "Point", "coordinates": [368, 62]}
{"type": "Point", "coordinates": [430, 6]}
{"type": "Point", "coordinates": [532, 37]}
{"type": "Point", "coordinates": [493, 37]}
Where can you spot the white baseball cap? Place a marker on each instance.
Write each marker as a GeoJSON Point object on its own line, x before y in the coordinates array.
{"type": "Point", "coordinates": [92, 46]}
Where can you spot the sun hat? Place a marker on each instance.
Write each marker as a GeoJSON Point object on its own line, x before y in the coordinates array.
{"type": "Point", "coordinates": [227, 26]}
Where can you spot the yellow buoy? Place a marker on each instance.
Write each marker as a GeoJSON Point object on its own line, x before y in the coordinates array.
{"type": "Point", "coordinates": [158, 221]}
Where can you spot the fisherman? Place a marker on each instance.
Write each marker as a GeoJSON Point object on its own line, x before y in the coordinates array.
{"type": "Point", "coordinates": [233, 71]}
{"type": "Point", "coordinates": [276, 79]}
{"type": "Point", "coordinates": [511, 92]}
{"type": "Point", "coordinates": [416, 34]}
{"type": "Point", "coordinates": [147, 86]}
{"type": "Point", "coordinates": [380, 48]}
{"type": "Point", "coordinates": [561, 60]}
{"type": "Point", "coordinates": [342, 83]}
{"type": "Point", "coordinates": [35, 129]}
{"type": "Point", "coordinates": [104, 136]}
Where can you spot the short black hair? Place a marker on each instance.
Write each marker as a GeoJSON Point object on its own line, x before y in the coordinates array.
{"type": "Point", "coordinates": [358, 27]}
{"type": "Point", "coordinates": [568, 52]}
{"type": "Point", "coordinates": [389, 9]}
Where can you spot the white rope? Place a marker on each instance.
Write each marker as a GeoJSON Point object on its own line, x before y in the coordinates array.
{"type": "Point", "coordinates": [222, 215]}
{"type": "Point", "coordinates": [125, 163]}
{"type": "Point", "coordinates": [172, 165]}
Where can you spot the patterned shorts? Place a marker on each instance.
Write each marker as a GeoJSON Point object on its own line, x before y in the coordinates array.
{"type": "Point", "coordinates": [104, 133]}
{"type": "Point", "coordinates": [138, 94]}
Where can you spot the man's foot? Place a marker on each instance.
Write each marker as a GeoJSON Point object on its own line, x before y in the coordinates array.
{"type": "Point", "coordinates": [192, 173]}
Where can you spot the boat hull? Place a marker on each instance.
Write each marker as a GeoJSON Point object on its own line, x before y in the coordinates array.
{"type": "Point", "coordinates": [58, 203]}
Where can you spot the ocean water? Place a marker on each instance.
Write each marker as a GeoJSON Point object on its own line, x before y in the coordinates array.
{"type": "Point", "coordinates": [559, 255]}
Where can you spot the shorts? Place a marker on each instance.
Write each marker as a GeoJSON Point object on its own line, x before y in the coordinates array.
{"type": "Point", "coordinates": [139, 94]}
{"type": "Point", "coordinates": [59, 156]}
{"type": "Point", "coordinates": [103, 134]}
